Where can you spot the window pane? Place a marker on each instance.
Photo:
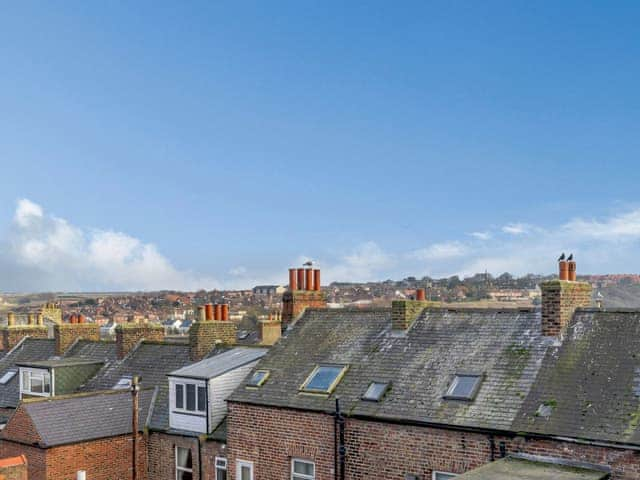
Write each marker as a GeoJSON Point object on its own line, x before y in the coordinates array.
{"type": "Point", "coordinates": [375, 391]}
{"type": "Point", "coordinates": [304, 468]}
{"type": "Point", "coordinates": [245, 473]}
{"type": "Point", "coordinates": [47, 383]}
{"type": "Point", "coordinates": [184, 457]}
{"type": "Point", "coordinates": [191, 397]}
{"type": "Point", "coordinates": [25, 381]}
{"type": "Point", "coordinates": [323, 378]}
{"type": "Point", "coordinates": [179, 396]}
{"type": "Point", "coordinates": [36, 384]}
{"type": "Point", "coordinates": [221, 474]}
{"type": "Point", "coordinates": [444, 476]}
{"type": "Point", "coordinates": [257, 378]}
{"type": "Point", "coordinates": [184, 475]}
{"type": "Point", "coordinates": [463, 386]}
{"type": "Point", "coordinates": [202, 399]}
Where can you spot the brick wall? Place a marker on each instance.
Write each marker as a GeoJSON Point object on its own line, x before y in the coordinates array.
{"type": "Point", "coordinates": [404, 312]}
{"type": "Point", "coordinates": [559, 300]}
{"type": "Point", "coordinates": [295, 302]}
{"type": "Point", "coordinates": [68, 333]}
{"type": "Point", "coordinates": [129, 334]}
{"type": "Point", "coordinates": [162, 459]}
{"type": "Point", "coordinates": [204, 335]}
{"type": "Point", "coordinates": [270, 437]}
{"type": "Point", "coordinates": [14, 468]}
{"type": "Point", "coordinates": [104, 459]}
{"type": "Point", "coordinates": [270, 331]}
{"type": "Point", "coordinates": [13, 334]}
{"type": "Point", "coordinates": [36, 458]}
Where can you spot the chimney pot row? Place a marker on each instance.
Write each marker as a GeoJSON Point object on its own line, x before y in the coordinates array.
{"type": "Point", "coordinates": [304, 279]}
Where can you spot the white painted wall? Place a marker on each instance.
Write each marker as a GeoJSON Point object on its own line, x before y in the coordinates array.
{"type": "Point", "coordinates": [192, 421]}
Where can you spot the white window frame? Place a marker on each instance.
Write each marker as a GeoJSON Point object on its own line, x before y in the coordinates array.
{"type": "Point", "coordinates": [243, 463]}
{"type": "Point", "coordinates": [184, 409]}
{"type": "Point", "coordinates": [221, 466]}
{"type": "Point", "coordinates": [179, 468]}
{"type": "Point", "coordinates": [302, 476]}
{"type": "Point", "coordinates": [434, 475]}
{"type": "Point", "coordinates": [42, 374]}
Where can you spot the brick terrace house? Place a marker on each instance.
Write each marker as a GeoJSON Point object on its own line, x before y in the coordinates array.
{"type": "Point", "coordinates": [90, 430]}
{"type": "Point", "coordinates": [432, 393]}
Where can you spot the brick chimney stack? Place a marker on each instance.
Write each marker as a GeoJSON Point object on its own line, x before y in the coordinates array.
{"type": "Point", "coordinates": [304, 292]}
{"type": "Point", "coordinates": [12, 334]}
{"type": "Point", "coordinates": [561, 298]}
{"type": "Point", "coordinates": [129, 334]}
{"type": "Point", "coordinates": [204, 335]}
{"type": "Point", "coordinates": [66, 334]}
{"type": "Point", "coordinates": [271, 329]}
{"type": "Point", "coordinates": [405, 312]}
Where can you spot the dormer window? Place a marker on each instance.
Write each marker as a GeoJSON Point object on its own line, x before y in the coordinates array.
{"type": "Point", "coordinates": [190, 397]}
{"type": "Point", "coordinates": [324, 379]}
{"type": "Point", "coordinates": [35, 382]}
{"type": "Point", "coordinates": [376, 391]}
{"type": "Point", "coordinates": [258, 378]}
{"type": "Point", "coordinates": [463, 387]}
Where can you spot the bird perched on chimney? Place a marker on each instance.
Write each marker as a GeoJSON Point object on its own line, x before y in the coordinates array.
{"type": "Point", "coordinates": [307, 264]}
{"type": "Point", "coordinates": [561, 257]}
{"type": "Point", "coordinates": [570, 258]}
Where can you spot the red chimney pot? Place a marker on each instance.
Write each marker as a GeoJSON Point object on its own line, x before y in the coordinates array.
{"type": "Point", "coordinates": [224, 312]}
{"type": "Point", "coordinates": [308, 284]}
{"type": "Point", "coordinates": [316, 280]}
{"type": "Point", "coordinates": [420, 295]}
{"type": "Point", "coordinates": [208, 312]}
{"type": "Point", "coordinates": [301, 279]}
{"type": "Point", "coordinates": [217, 312]}
{"type": "Point", "coordinates": [293, 281]}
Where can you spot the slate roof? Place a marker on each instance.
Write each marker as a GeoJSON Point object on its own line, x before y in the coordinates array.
{"type": "Point", "coordinates": [511, 468]}
{"type": "Point", "coordinates": [104, 351]}
{"type": "Point", "coordinates": [98, 415]}
{"type": "Point", "coordinates": [152, 361]}
{"type": "Point", "coordinates": [28, 350]}
{"type": "Point", "coordinates": [503, 345]}
{"type": "Point", "coordinates": [217, 365]}
{"type": "Point", "coordinates": [589, 386]}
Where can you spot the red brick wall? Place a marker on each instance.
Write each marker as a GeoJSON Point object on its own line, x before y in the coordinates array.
{"type": "Point", "coordinates": [270, 437]}
{"type": "Point", "coordinates": [104, 459]}
{"type": "Point", "coordinates": [13, 334]}
{"type": "Point", "coordinates": [162, 456]}
{"type": "Point", "coordinates": [36, 460]}
{"type": "Point", "coordinates": [14, 472]}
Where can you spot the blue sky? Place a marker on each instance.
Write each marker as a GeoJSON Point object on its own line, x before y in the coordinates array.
{"type": "Point", "coordinates": [186, 144]}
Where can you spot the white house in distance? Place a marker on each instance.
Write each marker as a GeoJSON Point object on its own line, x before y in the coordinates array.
{"type": "Point", "coordinates": [198, 392]}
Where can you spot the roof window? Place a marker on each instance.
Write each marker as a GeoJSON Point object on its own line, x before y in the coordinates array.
{"type": "Point", "coordinates": [376, 391]}
{"type": "Point", "coordinates": [8, 376]}
{"type": "Point", "coordinates": [463, 387]}
{"type": "Point", "coordinates": [124, 383]}
{"type": "Point", "coordinates": [258, 378]}
{"type": "Point", "coordinates": [324, 378]}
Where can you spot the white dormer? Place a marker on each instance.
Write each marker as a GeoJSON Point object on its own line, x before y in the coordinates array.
{"type": "Point", "coordinates": [198, 392]}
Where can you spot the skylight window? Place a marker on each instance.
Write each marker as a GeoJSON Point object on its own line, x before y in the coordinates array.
{"type": "Point", "coordinates": [463, 387]}
{"type": "Point", "coordinates": [258, 378]}
{"type": "Point", "coordinates": [8, 376]}
{"type": "Point", "coordinates": [376, 391]}
{"type": "Point", "coordinates": [123, 384]}
{"type": "Point", "coordinates": [324, 378]}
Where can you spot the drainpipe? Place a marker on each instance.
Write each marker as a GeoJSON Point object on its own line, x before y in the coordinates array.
{"type": "Point", "coordinates": [339, 447]}
{"type": "Point", "coordinates": [135, 388]}
{"type": "Point", "coordinates": [199, 459]}
{"type": "Point", "coordinates": [492, 446]}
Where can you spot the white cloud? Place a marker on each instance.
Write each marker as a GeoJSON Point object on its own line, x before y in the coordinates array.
{"type": "Point", "coordinates": [44, 252]}
{"type": "Point", "coordinates": [367, 261]}
{"type": "Point", "coordinates": [516, 228]}
{"type": "Point", "coordinates": [481, 235]}
{"type": "Point", "coordinates": [624, 226]}
{"type": "Point", "coordinates": [27, 212]}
